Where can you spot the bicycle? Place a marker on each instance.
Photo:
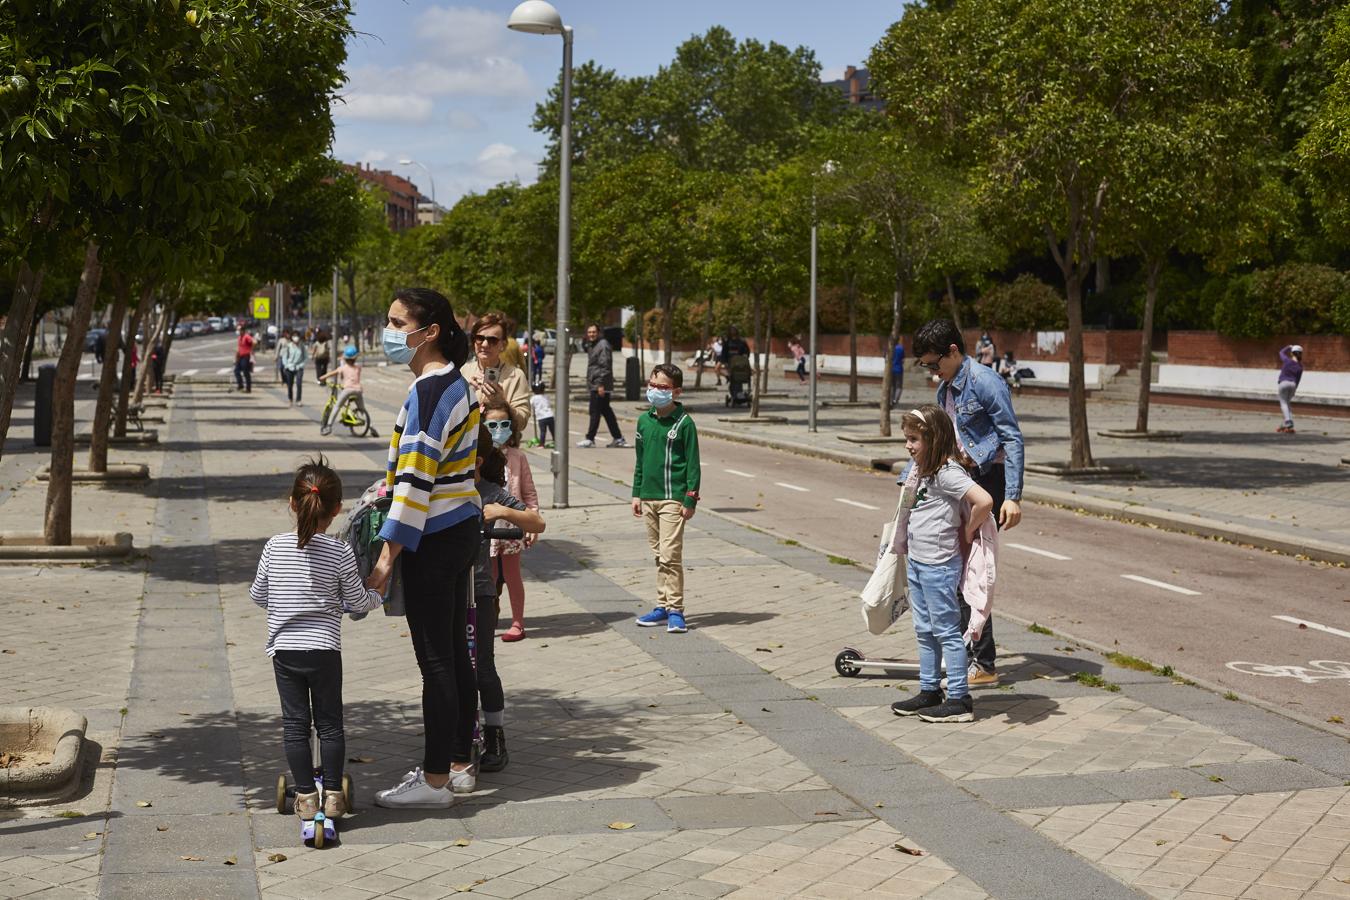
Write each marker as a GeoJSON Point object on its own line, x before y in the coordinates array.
{"type": "Point", "coordinates": [353, 414]}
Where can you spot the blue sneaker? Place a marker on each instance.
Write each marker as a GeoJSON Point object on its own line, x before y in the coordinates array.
{"type": "Point", "coordinates": [655, 617]}
{"type": "Point", "coordinates": [675, 623]}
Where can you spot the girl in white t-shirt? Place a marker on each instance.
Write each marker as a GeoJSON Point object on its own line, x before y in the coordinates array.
{"type": "Point", "coordinates": [935, 534]}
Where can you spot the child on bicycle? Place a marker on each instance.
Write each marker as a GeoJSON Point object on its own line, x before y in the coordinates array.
{"type": "Point", "coordinates": [306, 580]}
{"type": "Point", "coordinates": [498, 504]}
{"type": "Point", "coordinates": [505, 432]}
{"type": "Point", "coordinates": [348, 375]}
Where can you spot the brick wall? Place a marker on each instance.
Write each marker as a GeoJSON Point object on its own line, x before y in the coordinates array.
{"type": "Point", "coordinates": [1329, 352]}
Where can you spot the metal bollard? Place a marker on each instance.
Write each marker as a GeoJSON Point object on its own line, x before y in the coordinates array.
{"type": "Point", "coordinates": [632, 379]}
{"type": "Point", "coordinates": [42, 406]}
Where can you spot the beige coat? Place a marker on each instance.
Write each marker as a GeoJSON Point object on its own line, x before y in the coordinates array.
{"type": "Point", "coordinates": [514, 385]}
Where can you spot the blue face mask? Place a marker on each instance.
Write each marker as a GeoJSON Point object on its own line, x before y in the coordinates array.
{"type": "Point", "coordinates": [660, 397]}
{"type": "Point", "coordinates": [396, 345]}
{"type": "Point", "coordinates": [500, 429]}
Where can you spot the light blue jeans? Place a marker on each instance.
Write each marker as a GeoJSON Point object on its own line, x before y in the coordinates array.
{"type": "Point", "coordinates": [937, 624]}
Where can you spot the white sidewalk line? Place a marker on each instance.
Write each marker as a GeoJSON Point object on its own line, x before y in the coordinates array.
{"type": "Point", "coordinates": [738, 472]}
{"type": "Point", "coordinates": [792, 487]}
{"type": "Point", "coordinates": [1162, 584]}
{"type": "Point", "coordinates": [191, 372]}
{"type": "Point", "coordinates": [855, 503]}
{"type": "Point", "coordinates": [225, 371]}
{"type": "Point", "coordinates": [1314, 625]}
{"type": "Point", "coordinates": [1039, 552]}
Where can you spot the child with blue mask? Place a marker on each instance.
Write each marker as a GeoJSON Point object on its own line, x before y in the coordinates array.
{"type": "Point", "coordinates": [505, 428]}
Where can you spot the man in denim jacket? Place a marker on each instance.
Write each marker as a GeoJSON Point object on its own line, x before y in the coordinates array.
{"type": "Point", "coordinates": [990, 440]}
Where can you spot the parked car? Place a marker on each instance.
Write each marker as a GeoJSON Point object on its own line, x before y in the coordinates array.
{"type": "Point", "coordinates": [214, 324]}
{"type": "Point", "coordinates": [182, 330]}
{"type": "Point", "coordinates": [550, 338]}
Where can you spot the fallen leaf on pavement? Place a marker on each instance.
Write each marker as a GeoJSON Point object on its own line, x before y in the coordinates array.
{"type": "Point", "coordinates": [879, 805]}
{"type": "Point", "coordinates": [191, 858]}
{"type": "Point", "coordinates": [161, 827]}
{"type": "Point", "coordinates": [8, 759]}
{"type": "Point", "coordinates": [1228, 839]}
{"type": "Point", "coordinates": [912, 851]}
{"type": "Point", "coordinates": [764, 709]}
{"type": "Point", "coordinates": [91, 835]}
{"type": "Point", "coordinates": [827, 812]}
{"type": "Point", "coordinates": [1176, 795]}
{"type": "Point", "coordinates": [1159, 842]}
{"type": "Point", "coordinates": [465, 888]}
{"type": "Point", "coordinates": [144, 804]}
{"type": "Point", "coordinates": [462, 842]}
{"type": "Point", "coordinates": [231, 860]}
{"type": "Point", "coordinates": [1336, 720]}
{"type": "Point", "coordinates": [621, 826]}
{"type": "Point", "coordinates": [763, 650]}
{"type": "Point", "coordinates": [361, 759]}
{"type": "Point", "coordinates": [6, 651]}
{"type": "Point", "coordinates": [1043, 675]}
{"type": "Point", "coordinates": [276, 857]}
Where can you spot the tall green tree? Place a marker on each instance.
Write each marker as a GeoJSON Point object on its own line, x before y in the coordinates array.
{"type": "Point", "coordinates": [1324, 150]}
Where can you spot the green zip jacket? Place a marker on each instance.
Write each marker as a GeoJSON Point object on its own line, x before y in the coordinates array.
{"type": "Point", "coordinates": [667, 457]}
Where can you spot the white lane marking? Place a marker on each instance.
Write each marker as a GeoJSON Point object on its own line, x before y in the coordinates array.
{"type": "Point", "coordinates": [1327, 628]}
{"type": "Point", "coordinates": [1039, 552]}
{"type": "Point", "coordinates": [191, 372]}
{"type": "Point", "coordinates": [1162, 584]}
{"type": "Point", "coordinates": [738, 472]}
{"type": "Point", "coordinates": [855, 503]}
{"type": "Point", "coordinates": [225, 371]}
{"type": "Point", "coordinates": [792, 487]}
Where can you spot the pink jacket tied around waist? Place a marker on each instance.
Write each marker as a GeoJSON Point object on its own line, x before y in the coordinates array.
{"type": "Point", "coordinates": [980, 558]}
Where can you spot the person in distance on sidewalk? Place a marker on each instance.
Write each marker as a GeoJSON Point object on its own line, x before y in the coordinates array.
{"type": "Point", "coordinates": [666, 478]}
{"type": "Point", "coordinates": [600, 380]}
{"type": "Point", "coordinates": [934, 492]}
{"type": "Point", "coordinates": [1291, 373]}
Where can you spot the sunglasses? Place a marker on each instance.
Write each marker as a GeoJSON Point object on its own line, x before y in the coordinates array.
{"type": "Point", "coordinates": [498, 424]}
{"type": "Point", "coordinates": [489, 339]}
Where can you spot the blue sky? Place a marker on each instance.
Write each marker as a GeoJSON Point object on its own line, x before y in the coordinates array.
{"type": "Point", "coordinates": [451, 87]}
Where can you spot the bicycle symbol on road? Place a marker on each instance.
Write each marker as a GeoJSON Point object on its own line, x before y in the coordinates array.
{"type": "Point", "coordinates": [1316, 670]}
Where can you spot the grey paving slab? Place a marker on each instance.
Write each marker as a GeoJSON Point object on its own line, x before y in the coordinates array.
{"type": "Point", "coordinates": [1043, 790]}
{"type": "Point", "coordinates": [734, 811]}
{"type": "Point", "coordinates": [221, 883]}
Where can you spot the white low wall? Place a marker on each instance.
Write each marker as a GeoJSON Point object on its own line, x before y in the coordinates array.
{"type": "Point", "coordinates": [1333, 387]}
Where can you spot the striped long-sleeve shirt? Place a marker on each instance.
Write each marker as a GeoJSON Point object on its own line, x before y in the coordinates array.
{"type": "Point", "coordinates": [431, 458]}
{"type": "Point", "coordinates": [306, 591]}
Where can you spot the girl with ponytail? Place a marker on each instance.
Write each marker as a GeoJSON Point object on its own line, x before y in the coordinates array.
{"type": "Point", "coordinates": [306, 580]}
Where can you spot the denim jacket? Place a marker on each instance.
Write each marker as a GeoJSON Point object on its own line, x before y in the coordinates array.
{"type": "Point", "coordinates": [985, 421]}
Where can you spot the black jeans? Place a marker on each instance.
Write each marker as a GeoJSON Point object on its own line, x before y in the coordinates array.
{"type": "Point", "coordinates": [158, 373]}
{"type": "Point", "coordinates": [436, 593]}
{"type": "Point", "coordinates": [545, 428]}
{"type": "Point", "coordinates": [486, 614]}
{"type": "Point", "coordinates": [309, 683]}
{"type": "Point", "coordinates": [994, 482]}
{"type": "Point", "coordinates": [320, 367]}
{"type": "Point", "coordinates": [295, 383]}
{"type": "Point", "coordinates": [243, 373]}
{"type": "Point", "coordinates": [600, 407]}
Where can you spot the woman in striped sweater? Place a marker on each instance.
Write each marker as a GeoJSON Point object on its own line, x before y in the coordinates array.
{"type": "Point", "coordinates": [434, 527]}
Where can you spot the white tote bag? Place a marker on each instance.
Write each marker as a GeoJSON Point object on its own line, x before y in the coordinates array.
{"type": "Point", "coordinates": [883, 597]}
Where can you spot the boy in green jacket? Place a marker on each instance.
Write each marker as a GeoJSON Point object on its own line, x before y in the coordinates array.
{"type": "Point", "coordinates": [665, 490]}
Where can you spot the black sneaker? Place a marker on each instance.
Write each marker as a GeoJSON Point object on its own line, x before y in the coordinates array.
{"type": "Point", "coordinates": [494, 757]}
{"type": "Point", "coordinates": [953, 709]}
{"type": "Point", "coordinates": [916, 704]}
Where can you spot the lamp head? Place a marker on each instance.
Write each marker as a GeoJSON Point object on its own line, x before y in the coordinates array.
{"type": "Point", "coordinates": [405, 162]}
{"type": "Point", "coordinates": [535, 17]}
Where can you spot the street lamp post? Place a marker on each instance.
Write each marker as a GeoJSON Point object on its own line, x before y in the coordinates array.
{"type": "Point", "coordinates": [811, 399]}
{"type": "Point", "coordinates": [539, 17]}
{"type": "Point", "coordinates": [431, 178]}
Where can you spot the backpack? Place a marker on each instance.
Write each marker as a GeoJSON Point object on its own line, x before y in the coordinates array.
{"type": "Point", "coordinates": [361, 532]}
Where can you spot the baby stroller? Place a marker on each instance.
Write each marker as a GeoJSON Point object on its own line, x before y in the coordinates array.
{"type": "Point", "coordinates": [738, 381]}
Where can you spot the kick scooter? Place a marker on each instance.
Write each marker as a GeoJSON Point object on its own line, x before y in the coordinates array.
{"type": "Point", "coordinates": [319, 829]}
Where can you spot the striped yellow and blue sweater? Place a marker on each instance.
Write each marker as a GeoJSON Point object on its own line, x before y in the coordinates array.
{"type": "Point", "coordinates": [431, 458]}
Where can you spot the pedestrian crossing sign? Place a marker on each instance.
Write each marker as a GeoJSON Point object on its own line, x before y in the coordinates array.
{"type": "Point", "coordinates": [262, 307]}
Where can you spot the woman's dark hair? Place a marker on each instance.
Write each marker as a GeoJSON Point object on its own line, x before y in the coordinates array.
{"type": "Point", "coordinates": [317, 495]}
{"type": "Point", "coordinates": [499, 403]}
{"type": "Point", "coordinates": [939, 437]}
{"type": "Point", "coordinates": [492, 459]}
{"type": "Point", "coordinates": [937, 337]}
{"type": "Point", "coordinates": [429, 307]}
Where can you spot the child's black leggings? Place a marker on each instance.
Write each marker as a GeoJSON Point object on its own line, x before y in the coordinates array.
{"type": "Point", "coordinates": [310, 685]}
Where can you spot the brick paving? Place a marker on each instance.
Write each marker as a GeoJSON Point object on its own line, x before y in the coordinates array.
{"type": "Point", "coordinates": [610, 724]}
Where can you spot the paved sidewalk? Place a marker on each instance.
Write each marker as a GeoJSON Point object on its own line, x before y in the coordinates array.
{"type": "Point", "coordinates": [1230, 476]}
{"type": "Point", "coordinates": [745, 766]}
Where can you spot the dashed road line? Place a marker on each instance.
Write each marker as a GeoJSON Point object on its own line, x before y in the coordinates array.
{"type": "Point", "coordinates": [1162, 584]}
{"type": "Point", "coordinates": [225, 370]}
{"type": "Point", "coordinates": [738, 472]}
{"type": "Point", "coordinates": [855, 503]}
{"type": "Point", "coordinates": [1314, 625]}
{"type": "Point", "coordinates": [190, 372]}
{"type": "Point", "coordinates": [1039, 552]}
{"type": "Point", "coordinates": [792, 487]}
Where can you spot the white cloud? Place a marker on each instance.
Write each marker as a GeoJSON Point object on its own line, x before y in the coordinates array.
{"type": "Point", "coordinates": [359, 106]}
{"type": "Point", "coordinates": [491, 76]}
{"type": "Point", "coordinates": [460, 120]}
{"type": "Point", "coordinates": [465, 31]}
{"type": "Point", "coordinates": [502, 162]}
{"type": "Point", "coordinates": [373, 156]}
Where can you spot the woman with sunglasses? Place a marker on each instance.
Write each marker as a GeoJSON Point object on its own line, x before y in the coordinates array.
{"type": "Point", "coordinates": [491, 375]}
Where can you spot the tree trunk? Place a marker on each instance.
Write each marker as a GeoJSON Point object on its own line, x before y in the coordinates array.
{"type": "Point", "coordinates": [124, 389]}
{"type": "Point", "coordinates": [667, 297]}
{"type": "Point", "coordinates": [14, 338]}
{"type": "Point", "coordinates": [762, 376]}
{"type": "Point", "coordinates": [26, 370]}
{"type": "Point", "coordinates": [853, 337]}
{"type": "Point", "coordinates": [1080, 447]}
{"type": "Point", "coordinates": [160, 331]}
{"type": "Point", "coordinates": [103, 408]}
{"type": "Point", "coordinates": [57, 523]}
{"type": "Point", "coordinates": [951, 301]}
{"type": "Point", "coordinates": [1146, 344]}
{"type": "Point", "coordinates": [754, 332]}
{"type": "Point", "coordinates": [1103, 274]}
{"type": "Point", "coordinates": [703, 343]}
{"type": "Point", "coordinates": [897, 307]}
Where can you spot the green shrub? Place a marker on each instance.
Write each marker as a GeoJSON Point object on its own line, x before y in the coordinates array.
{"type": "Point", "coordinates": [1295, 298]}
{"type": "Point", "coordinates": [1028, 304]}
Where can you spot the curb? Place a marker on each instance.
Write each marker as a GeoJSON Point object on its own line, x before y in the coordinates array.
{"type": "Point", "coordinates": [115, 472]}
{"type": "Point", "coordinates": [22, 547]}
{"type": "Point", "coordinates": [33, 724]}
{"type": "Point", "coordinates": [149, 436]}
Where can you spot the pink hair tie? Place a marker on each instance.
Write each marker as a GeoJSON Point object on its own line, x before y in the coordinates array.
{"type": "Point", "coordinates": [313, 488]}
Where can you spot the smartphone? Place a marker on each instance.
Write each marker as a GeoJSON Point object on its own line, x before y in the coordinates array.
{"type": "Point", "coordinates": [490, 376]}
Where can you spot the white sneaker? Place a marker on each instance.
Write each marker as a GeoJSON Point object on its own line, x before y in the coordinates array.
{"type": "Point", "coordinates": [464, 782]}
{"type": "Point", "coordinates": [617, 442]}
{"type": "Point", "coordinates": [586, 443]}
{"type": "Point", "coordinates": [415, 793]}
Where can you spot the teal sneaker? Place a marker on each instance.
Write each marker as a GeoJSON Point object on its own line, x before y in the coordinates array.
{"type": "Point", "coordinates": [675, 623]}
{"type": "Point", "coordinates": [653, 618]}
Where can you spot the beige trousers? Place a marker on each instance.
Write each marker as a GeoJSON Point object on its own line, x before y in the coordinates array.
{"type": "Point", "coordinates": [665, 532]}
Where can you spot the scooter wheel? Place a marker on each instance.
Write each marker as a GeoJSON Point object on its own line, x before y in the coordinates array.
{"type": "Point", "coordinates": [318, 835]}
{"type": "Point", "coordinates": [349, 792]}
{"type": "Point", "coordinates": [281, 793]}
{"type": "Point", "coordinates": [843, 663]}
